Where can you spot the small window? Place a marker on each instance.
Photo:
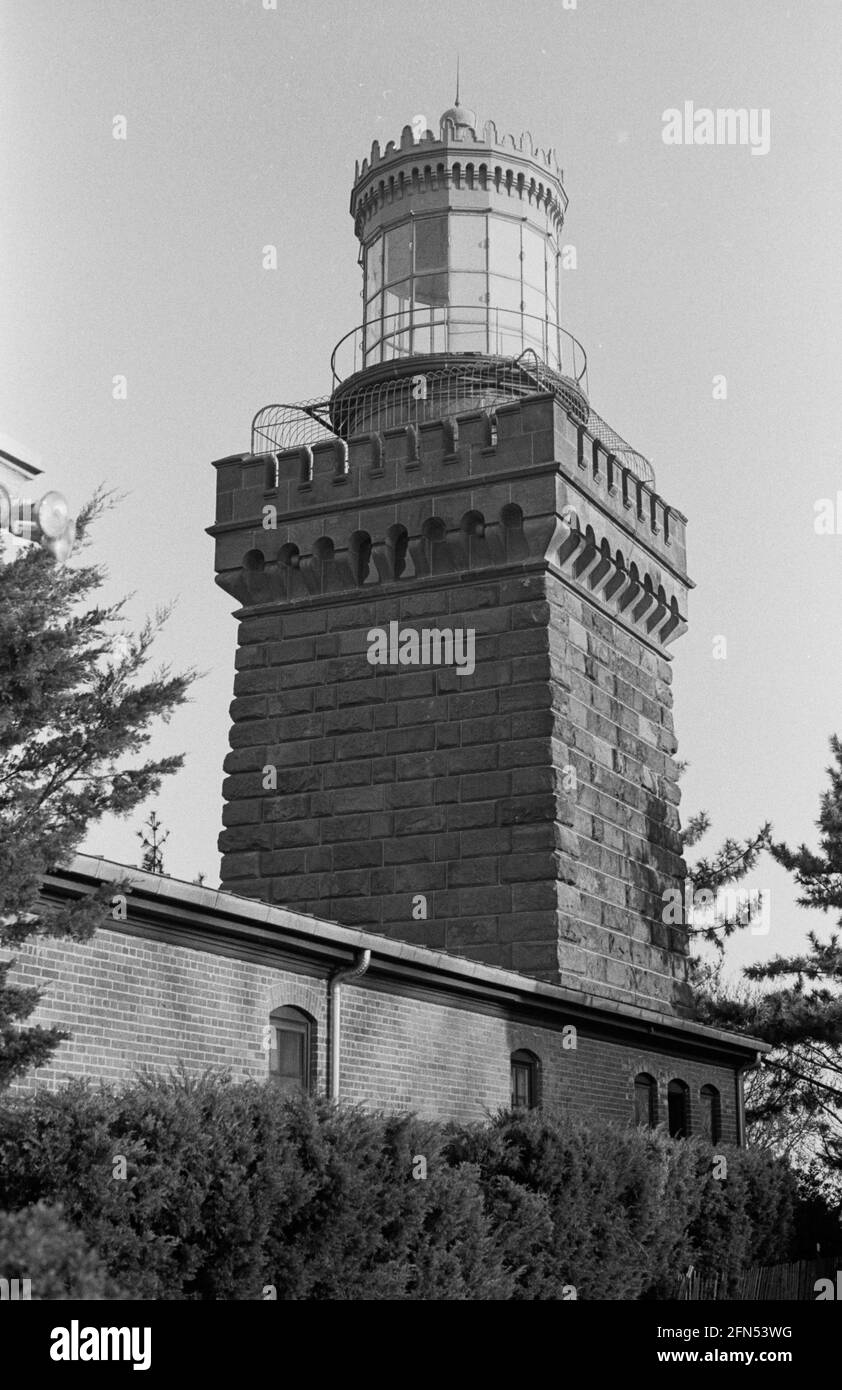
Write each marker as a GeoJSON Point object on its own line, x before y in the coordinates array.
{"type": "Point", "coordinates": [678, 1102]}
{"type": "Point", "coordinates": [289, 1050]}
{"type": "Point", "coordinates": [524, 1080]}
{"type": "Point", "coordinates": [645, 1100]}
{"type": "Point", "coordinates": [711, 1113]}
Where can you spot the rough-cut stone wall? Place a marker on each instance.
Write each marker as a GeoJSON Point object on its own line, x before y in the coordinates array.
{"type": "Point", "coordinates": [532, 802]}
{"type": "Point", "coordinates": [616, 805]}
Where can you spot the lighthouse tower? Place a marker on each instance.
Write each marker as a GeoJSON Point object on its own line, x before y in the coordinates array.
{"type": "Point", "coordinates": [454, 491]}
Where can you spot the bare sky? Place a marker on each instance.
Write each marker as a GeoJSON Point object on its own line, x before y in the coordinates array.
{"type": "Point", "coordinates": [143, 257]}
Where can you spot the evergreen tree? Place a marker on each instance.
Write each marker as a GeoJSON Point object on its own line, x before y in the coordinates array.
{"type": "Point", "coordinates": [714, 909]}
{"type": "Point", "coordinates": [797, 1004]}
{"type": "Point", "coordinates": [70, 710]}
{"type": "Point", "coordinates": [152, 859]}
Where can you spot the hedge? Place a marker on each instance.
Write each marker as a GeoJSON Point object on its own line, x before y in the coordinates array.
{"type": "Point", "coordinates": [209, 1189]}
{"type": "Point", "coordinates": [39, 1247]}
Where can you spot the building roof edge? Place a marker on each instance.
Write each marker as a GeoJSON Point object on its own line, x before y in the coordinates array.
{"type": "Point", "coordinates": [439, 965]}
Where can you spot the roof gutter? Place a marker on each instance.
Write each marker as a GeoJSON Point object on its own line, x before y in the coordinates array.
{"type": "Point", "coordinates": [741, 1100]}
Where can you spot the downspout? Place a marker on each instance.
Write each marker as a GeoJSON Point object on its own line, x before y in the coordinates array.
{"type": "Point", "coordinates": [351, 972]}
{"type": "Point", "coordinates": [741, 1103]}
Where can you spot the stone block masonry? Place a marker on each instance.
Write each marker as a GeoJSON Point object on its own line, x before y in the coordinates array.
{"type": "Point", "coordinates": [525, 814]}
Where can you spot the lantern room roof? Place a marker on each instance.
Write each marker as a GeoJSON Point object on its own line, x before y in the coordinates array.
{"type": "Point", "coordinates": [461, 116]}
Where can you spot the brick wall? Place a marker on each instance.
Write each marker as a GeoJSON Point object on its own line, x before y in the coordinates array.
{"type": "Point", "coordinates": [136, 1004]}
{"type": "Point", "coordinates": [400, 1052]}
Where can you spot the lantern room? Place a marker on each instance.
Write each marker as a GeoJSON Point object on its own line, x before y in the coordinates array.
{"type": "Point", "coordinates": [460, 249]}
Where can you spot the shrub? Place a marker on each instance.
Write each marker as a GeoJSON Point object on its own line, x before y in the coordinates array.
{"type": "Point", "coordinates": [626, 1211]}
{"type": "Point", "coordinates": [369, 1229]}
{"type": "Point", "coordinates": [607, 1207]}
{"type": "Point", "coordinates": [231, 1187]}
{"type": "Point", "coordinates": [39, 1245]}
{"type": "Point", "coordinates": [206, 1168]}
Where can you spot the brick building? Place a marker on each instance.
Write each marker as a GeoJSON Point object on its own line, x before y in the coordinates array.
{"type": "Point", "coordinates": [204, 978]}
{"type": "Point", "coordinates": [452, 761]}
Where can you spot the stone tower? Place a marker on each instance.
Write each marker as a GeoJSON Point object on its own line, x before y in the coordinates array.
{"type": "Point", "coordinates": [452, 718]}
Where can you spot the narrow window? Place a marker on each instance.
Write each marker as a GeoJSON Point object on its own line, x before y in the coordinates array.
{"type": "Point", "coordinates": [711, 1113]}
{"type": "Point", "coordinates": [289, 1052]}
{"type": "Point", "coordinates": [645, 1100]}
{"type": "Point", "coordinates": [524, 1080]}
{"type": "Point", "coordinates": [678, 1098]}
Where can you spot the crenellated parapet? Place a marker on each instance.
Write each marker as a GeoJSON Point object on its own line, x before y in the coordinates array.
{"type": "Point", "coordinates": [452, 133]}
{"type": "Point", "coordinates": [525, 485]}
{"type": "Point", "coordinates": [460, 161]}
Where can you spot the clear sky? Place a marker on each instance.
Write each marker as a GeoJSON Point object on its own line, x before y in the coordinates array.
{"type": "Point", "coordinates": [143, 257]}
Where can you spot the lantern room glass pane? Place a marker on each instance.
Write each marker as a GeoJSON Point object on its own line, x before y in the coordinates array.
{"type": "Point", "coordinates": [467, 241]}
{"type": "Point", "coordinates": [396, 304]}
{"type": "Point", "coordinates": [428, 329]}
{"type": "Point", "coordinates": [373, 310]}
{"type": "Point", "coordinates": [534, 341]}
{"type": "Point", "coordinates": [534, 272]}
{"type": "Point", "coordinates": [466, 337]}
{"type": "Point", "coordinates": [505, 342]}
{"type": "Point", "coordinates": [374, 267]}
{"type": "Point", "coordinates": [431, 243]}
{"type": "Point", "coordinates": [467, 289]}
{"type": "Point", "coordinates": [431, 289]}
{"type": "Point", "coordinates": [398, 252]}
{"type": "Point", "coordinates": [396, 300]}
{"type": "Point", "coordinates": [535, 307]}
{"type": "Point", "coordinates": [505, 295]}
{"type": "Point", "coordinates": [553, 348]}
{"type": "Point", "coordinates": [504, 247]}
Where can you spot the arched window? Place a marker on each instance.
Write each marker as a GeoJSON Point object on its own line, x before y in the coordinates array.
{"type": "Point", "coordinates": [525, 1080]}
{"type": "Point", "coordinates": [645, 1100]}
{"type": "Point", "coordinates": [711, 1113]}
{"type": "Point", "coordinates": [678, 1102]}
{"type": "Point", "coordinates": [290, 1046]}
{"type": "Point", "coordinates": [397, 544]}
{"type": "Point", "coordinates": [359, 548]}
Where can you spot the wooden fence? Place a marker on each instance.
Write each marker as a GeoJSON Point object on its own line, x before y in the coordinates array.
{"type": "Point", "coordinates": [791, 1283]}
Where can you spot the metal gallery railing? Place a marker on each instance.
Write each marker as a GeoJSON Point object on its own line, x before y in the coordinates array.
{"type": "Point", "coordinates": [457, 330]}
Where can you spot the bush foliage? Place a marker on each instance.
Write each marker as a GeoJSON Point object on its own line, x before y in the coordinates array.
{"type": "Point", "coordinates": [233, 1192]}
{"type": "Point", "coordinates": [38, 1245]}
